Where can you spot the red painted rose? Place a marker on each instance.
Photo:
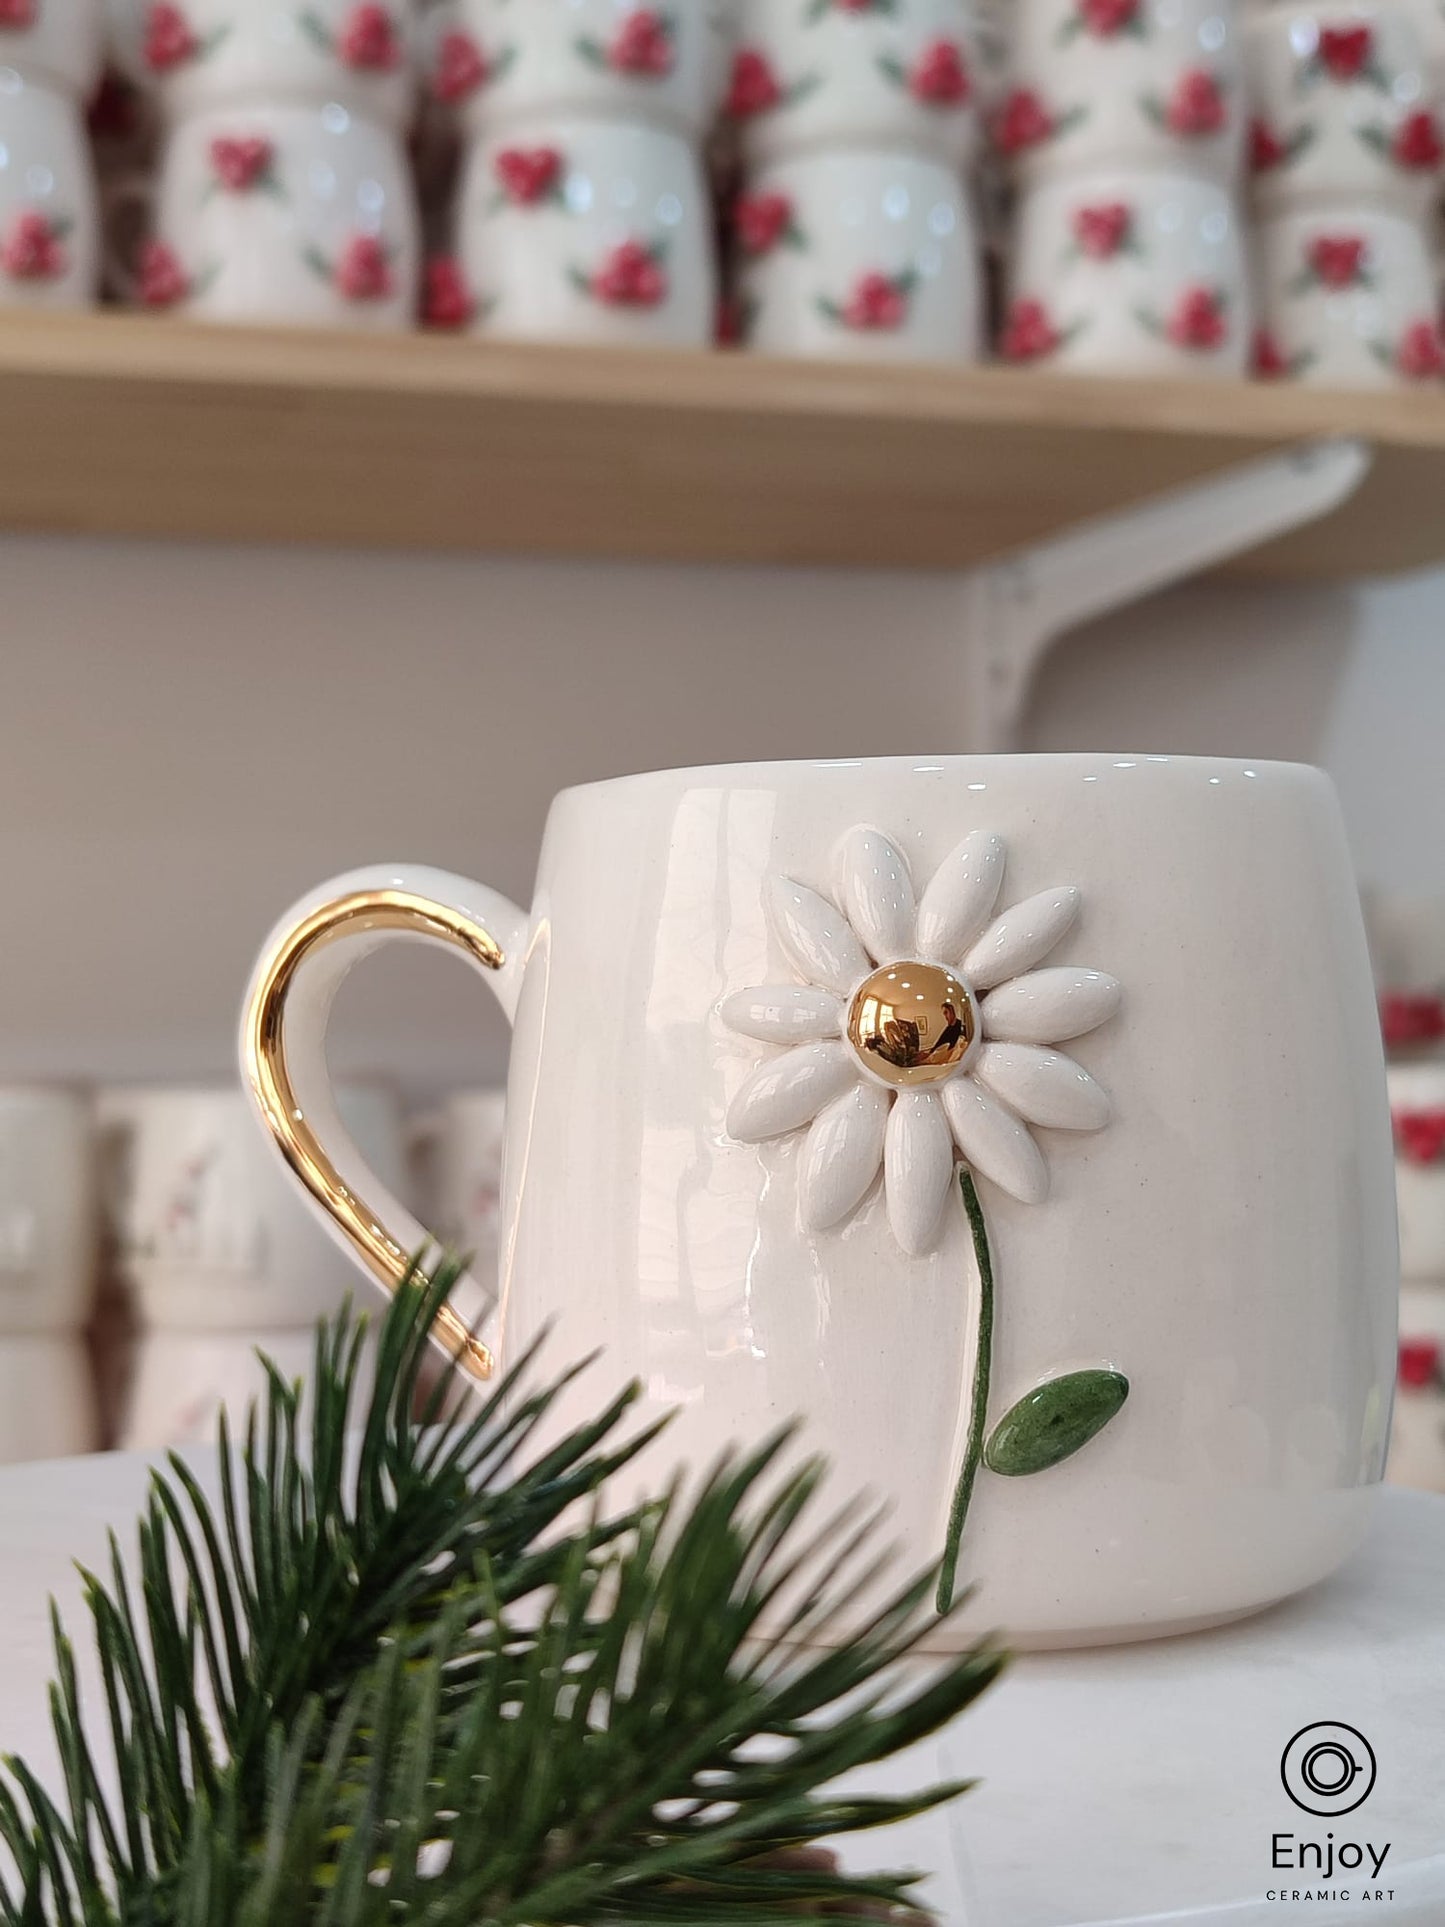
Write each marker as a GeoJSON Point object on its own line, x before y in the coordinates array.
{"type": "Point", "coordinates": [161, 281]}
{"type": "Point", "coordinates": [1197, 320]}
{"type": "Point", "coordinates": [1023, 121]}
{"type": "Point", "coordinates": [940, 77]}
{"type": "Point", "coordinates": [876, 305]}
{"type": "Point", "coordinates": [1417, 143]}
{"type": "Point", "coordinates": [1267, 357]}
{"type": "Point", "coordinates": [446, 299]}
{"type": "Point", "coordinates": [1345, 51]}
{"type": "Point", "coordinates": [1196, 107]}
{"type": "Point", "coordinates": [528, 174]}
{"type": "Point", "coordinates": [17, 13]}
{"type": "Point", "coordinates": [241, 163]}
{"type": "Point", "coordinates": [1420, 1135]}
{"type": "Point", "coordinates": [368, 40]}
{"type": "Point", "coordinates": [31, 250]}
{"type": "Point", "coordinates": [631, 277]}
{"type": "Point", "coordinates": [761, 221]}
{"type": "Point", "coordinates": [169, 41]}
{"type": "Point", "coordinates": [1338, 260]}
{"type": "Point", "coordinates": [1419, 356]}
{"type": "Point", "coordinates": [1266, 149]}
{"type": "Point", "coordinates": [1411, 1017]}
{"type": "Point", "coordinates": [643, 45]}
{"type": "Point", "coordinates": [753, 88]}
{"type": "Point", "coordinates": [363, 272]}
{"type": "Point", "coordinates": [1028, 333]}
{"type": "Point", "coordinates": [1419, 1363]}
{"type": "Point", "coordinates": [1102, 230]}
{"type": "Point", "coordinates": [460, 70]}
{"type": "Point", "coordinates": [729, 323]}
{"type": "Point", "coordinates": [1107, 17]}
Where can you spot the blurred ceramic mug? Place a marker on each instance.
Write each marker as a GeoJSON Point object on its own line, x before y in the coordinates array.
{"type": "Point", "coordinates": [866, 254]}
{"type": "Point", "coordinates": [48, 1211]}
{"type": "Point", "coordinates": [1342, 108]}
{"type": "Point", "coordinates": [293, 214]}
{"type": "Point", "coordinates": [1155, 83]}
{"type": "Point", "coordinates": [457, 1149]}
{"type": "Point", "coordinates": [49, 230]}
{"type": "Point", "coordinates": [47, 1398]}
{"type": "Point", "coordinates": [588, 230]}
{"type": "Point", "coordinates": [1347, 299]}
{"type": "Point", "coordinates": [183, 1380]}
{"type": "Point", "coordinates": [761, 1015]}
{"type": "Point", "coordinates": [1123, 271]}
{"type": "Point", "coordinates": [54, 43]}
{"type": "Point", "coordinates": [1417, 1111]}
{"type": "Point", "coordinates": [902, 75]}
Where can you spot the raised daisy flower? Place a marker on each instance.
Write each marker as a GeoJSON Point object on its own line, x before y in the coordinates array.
{"type": "Point", "coordinates": [922, 1031]}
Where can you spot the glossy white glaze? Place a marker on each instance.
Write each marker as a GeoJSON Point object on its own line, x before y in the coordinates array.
{"type": "Point", "coordinates": [54, 42]}
{"type": "Point", "coordinates": [871, 255]}
{"type": "Point", "coordinates": [1228, 1240]}
{"type": "Point", "coordinates": [48, 1222]}
{"type": "Point", "coordinates": [49, 232]}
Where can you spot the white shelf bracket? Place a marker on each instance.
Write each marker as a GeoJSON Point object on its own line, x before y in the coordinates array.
{"type": "Point", "coordinates": [1019, 608]}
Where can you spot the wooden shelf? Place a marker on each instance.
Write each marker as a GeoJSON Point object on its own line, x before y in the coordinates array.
{"type": "Point", "coordinates": [121, 424]}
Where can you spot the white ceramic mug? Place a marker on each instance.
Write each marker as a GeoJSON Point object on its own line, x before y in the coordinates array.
{"type": "Point", "coordinates": [182, 1380]}
{"type": "Point", "coordinates": [902, 76]}
{"type": "Point", "coordinates": [1347, 299]}
{"type": "Point", "coordinates": [208, 1237]}
{"type": "Point", "coordinates": [56, 43]}
{"type": "Point", "coordinates": [1342, 108]}
{"type": "Point", "coordinates": [291, 214]}
{"type": "Point", "coordinates": [49, 227]}
{"type": "Point", "coordinates": [1155, 83]}
{"type": "Point", "coordinates": [47, 1399]}
{"type": "Point", "coordinates": [1417, 1109]}
{"type": "Point", "coordinates": [1130, 272]}
{"type": "Point", "coordinates": [761, 1012]}
{"type": "Point", "coordinates": [860, 254]}
{"type": "Point", "coordinates": [588, 230]}
{"type": "Point", "coordinates": [1417, 1446]}
{"type": "Point", "coordinates": [458, 1153]}
{"type": "Point", "coordinates": [48, 1216]}
{"type": "Point", "coordinates": [201, 54]}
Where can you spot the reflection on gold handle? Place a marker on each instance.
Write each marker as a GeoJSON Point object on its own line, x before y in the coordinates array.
{"type": "Point", "coordinates": [264, 1045]}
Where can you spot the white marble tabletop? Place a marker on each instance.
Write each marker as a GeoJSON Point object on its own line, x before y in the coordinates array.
{"type": "Point", "coordinates": [1134, 1786]}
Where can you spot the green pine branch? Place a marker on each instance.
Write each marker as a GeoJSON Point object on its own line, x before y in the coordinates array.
{"type": "Point", "coordinates": [427, 1676]}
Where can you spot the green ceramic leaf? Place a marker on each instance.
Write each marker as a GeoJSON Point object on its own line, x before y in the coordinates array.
{"type": "Point", "coordinates": [1052, 1422]}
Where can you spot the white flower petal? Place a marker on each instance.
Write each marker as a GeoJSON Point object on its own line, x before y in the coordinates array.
{"type": "Point", "coordinates": [819, 943]}
{"type": "Point", "coordinates": [994, 1142]}
{"type": "Point", "coordinates": [918, 1168]}
{"type": "Point", "coordinates": [842, 1155]}
{"type": "Point", "coordinates": [789, 1091]}
{"type": "Point", "coordinates": [1043, 1086]}
{"type": "Point", "coordinates": [960, 899]}
{"type": "Point", "coordinates": [1048, 1006]}
{"type": "Point", "coordinates": [1021, 936]}
{"type": "Point", "coordinates": [878, 894]}
{"type": "Point", "coordinates": [783, 1013]}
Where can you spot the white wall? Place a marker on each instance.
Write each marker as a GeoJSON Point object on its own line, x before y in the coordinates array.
{"type": "Point", "coordinates": [190, 737]}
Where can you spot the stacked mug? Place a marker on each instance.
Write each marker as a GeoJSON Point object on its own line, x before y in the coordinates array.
{"type": "Point", "coordinates": [1346, 150]}
{"type": "Point", "coordinates": [1417, 1109]}
{"type": "Point", "coordinates": [856, 232]}
{"type": "Point", "coordinates": [1123, 131]}
{"type": "Point", "coordinates": [50, 55]}
{"type": "Point", "coordinates": [283, 191]}
{"type": "Point", "coordinates": [582, 212]}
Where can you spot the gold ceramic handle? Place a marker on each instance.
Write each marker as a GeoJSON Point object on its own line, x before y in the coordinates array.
{"type": "Point", "coordinates": [363, 913]}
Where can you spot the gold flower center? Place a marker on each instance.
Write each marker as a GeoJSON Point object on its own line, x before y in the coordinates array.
{"type": "Point", "coordinates": [913, 1023]}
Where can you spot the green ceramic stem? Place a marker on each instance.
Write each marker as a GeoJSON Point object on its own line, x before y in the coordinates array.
{"type": "Point", "coordinates": [978, 1414]}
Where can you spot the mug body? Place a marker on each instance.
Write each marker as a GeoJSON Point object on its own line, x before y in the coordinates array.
{"type": "Point", "coordinates": [1155, 83]}
{"type": "Point", "coordinates": [870, 254]}
{"type": "Point", "coordinates": [1417, 1110]}
{"type": "Point", "coordinates": [470, 1174]}
{"type": "Point", "coordinates": [183, 1380]}
{"type": "Point", "coordinates": [500, 64]}
{"type": "Point", "coordinates": [1417, 1442]}
{"type": "Point", "coordinates": [210, 1236]}
{"type": "Point", "coordinates": [729, 1171]}
{"type": "Point", "coordinates": [1347, 299]}
{"type": "Point", "coordinates": [47, 1399]}
{"type": "Point", "coordinates": [588, 230]}
{"type": "Point", "coordinates": [900, 75]}
{"type": "Point", "coordinates": [49, 230]}
{"type": "Point", "coordinates": [56, 43]}
{"type": "Point", "coordinates": [289, 214]}
{"type": "Point", "coordinates": [1341, 108]}
{"type": "Point", "coordinates": [1126, 271]}
{"type": "Point", "coordinates": [202, 54]}
{"type": "Point", "coordinates": [48, 1213]}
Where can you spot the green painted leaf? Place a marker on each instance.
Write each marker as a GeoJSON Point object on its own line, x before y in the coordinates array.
{"type": "Point", "coordinates": [1054, 1421]}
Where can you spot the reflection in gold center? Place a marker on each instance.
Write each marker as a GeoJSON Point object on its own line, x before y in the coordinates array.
{"type": "Point", "coordinates": [912, 1023]}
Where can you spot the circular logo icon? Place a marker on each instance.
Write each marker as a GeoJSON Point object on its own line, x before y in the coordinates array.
{"type": "Point", "coordinates": [1328, 1769]}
